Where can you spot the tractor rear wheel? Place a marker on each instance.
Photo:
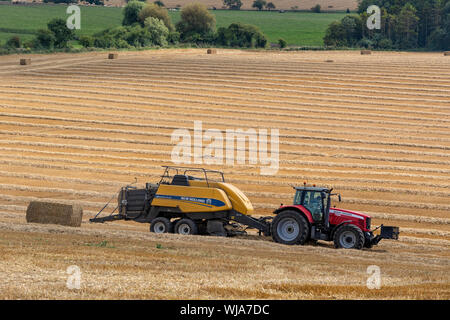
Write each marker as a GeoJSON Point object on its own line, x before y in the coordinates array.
{"type": "Point", "coordinates": [348, 237]}
{"type": "Point", "coordinates": [289, 227]}
{"type": "Point", "coordinates": [161, 225]}
{"type": "Point", "coordinates": [186, 226]}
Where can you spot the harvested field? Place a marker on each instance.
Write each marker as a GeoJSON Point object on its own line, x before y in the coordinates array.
{"type": "Point", "coordinates": [75, 127]}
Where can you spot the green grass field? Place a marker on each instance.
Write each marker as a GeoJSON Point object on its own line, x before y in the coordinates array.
{"type": "Point", "coordinates": [297, 28]}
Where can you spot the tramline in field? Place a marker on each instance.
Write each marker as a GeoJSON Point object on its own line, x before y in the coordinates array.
{"type": "Point", "coordinates": [190, 204]}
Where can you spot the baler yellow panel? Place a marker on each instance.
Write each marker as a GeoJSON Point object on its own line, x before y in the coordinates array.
{"type": "Point", "coordinates": [238, 199]}
{"type": "Point", "coordinates": [192, 198]}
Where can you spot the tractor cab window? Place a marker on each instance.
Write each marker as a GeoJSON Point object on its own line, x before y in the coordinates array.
{"type": "Point", "coordinates": [313, 201]}
{"type": "Point", "coordinates": [298, 197]}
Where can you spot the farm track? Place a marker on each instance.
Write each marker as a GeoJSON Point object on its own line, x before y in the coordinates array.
{"type": "Point", "coordinates": [74, 128]}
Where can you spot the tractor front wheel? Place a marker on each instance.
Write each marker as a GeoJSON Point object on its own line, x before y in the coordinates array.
{"type": "Point", "coordinates": [289, 227]}
{"type": "Point", "coordinates": [348, 237]}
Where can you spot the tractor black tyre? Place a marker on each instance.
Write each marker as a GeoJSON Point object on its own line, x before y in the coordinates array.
{"type": "Point", "coordinates": [348, 236]}
{"type": "Point", "coordinates": [290, 227]}
{"type": "Point", "coordinates": [186, 226]}
{"type": "Point", "coordinates": [161, 225]}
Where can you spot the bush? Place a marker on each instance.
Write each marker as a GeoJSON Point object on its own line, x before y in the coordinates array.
{"type": "Point", "coordinates": [233, 4]}
{"type": "Point", "coordinates": [173, 37]}
{"type": "Point", "coordinates": [385, 43]}
{"type": "Point", "coordinates": [241, 35]}
{"type": "Point", "coordinates": [45, 39]}
{"type": "Point", "coordinates": [158, 31]}
{"type": "Point", "coordinates": [131, 12]}
{"type": "Point", "coordinates": [62, 34]}
{"type": "Point", "coordinates": [156, 11]}
{"type": "Point", "coordinates": [104, 41]}
{"type": "Point", "coordinates": [86, 41]}
{"type": "Point", "coordinates": [13, 42]}
{"type": "Point", "coordinates": [282, 43]}
{"type": "Point", "coordinates": [317, 8]}
{"type": "Point", "coordinates": [366, 43]}
{"type": "Point", "coordinates": [335, 35]}
{"type": "Point", "coordinates": [259, 4]}
{"type": "Point", "coordinates": [195, 19]}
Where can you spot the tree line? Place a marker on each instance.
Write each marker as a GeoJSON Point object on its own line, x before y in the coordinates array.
{"type": "Point", "coordinates": [405, 25]}
{"type": "Point", "coordinates": [148, 25]}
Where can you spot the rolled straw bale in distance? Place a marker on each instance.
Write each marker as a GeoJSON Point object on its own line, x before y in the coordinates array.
{"type": "Point", "coordinates": [113, 56]}
{"type": "Point", "coordinates": [366, 52]}
{"type": "Point", "coordinates": [24, 62]}
{"type": "Point", "coordinates": [211, 51]}
{"type": "Point", "coordinates": [54, 213]}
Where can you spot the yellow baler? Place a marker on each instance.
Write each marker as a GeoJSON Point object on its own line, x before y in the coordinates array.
{"type": "Point", "coordinates": [186, 204]}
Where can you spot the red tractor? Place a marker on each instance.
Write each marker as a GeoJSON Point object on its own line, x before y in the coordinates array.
{"type": "Point", "coordinates": [311, 217]}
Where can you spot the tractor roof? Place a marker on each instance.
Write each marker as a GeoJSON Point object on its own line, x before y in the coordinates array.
{"type": "Point", "coordinates": [319, 189]}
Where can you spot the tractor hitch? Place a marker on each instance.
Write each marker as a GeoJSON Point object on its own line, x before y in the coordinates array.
{"type": "Point", "coordinates": [386, 232]}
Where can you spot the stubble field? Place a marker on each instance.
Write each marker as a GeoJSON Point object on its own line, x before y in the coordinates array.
{"type": "Point", "coordinates": [77, 127]}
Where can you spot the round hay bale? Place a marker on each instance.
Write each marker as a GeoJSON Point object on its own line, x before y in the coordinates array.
{"type": "Point", "coordinates": [211, 51]}
{"type": "Point", "coordinates": [54, 213]}
{"type": "Point", "coordinates": [24, 62]}
{"type": "Point", "coordinates": [366, 52]}
{"type": "Point", "coordinates": [113, 56]}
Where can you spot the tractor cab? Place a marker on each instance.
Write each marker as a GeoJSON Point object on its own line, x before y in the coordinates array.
{"type": "Point", "coordinates": [316, 200]}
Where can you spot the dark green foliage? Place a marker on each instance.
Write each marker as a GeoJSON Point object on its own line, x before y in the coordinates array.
{"type": "Point", "coordinates": [159, 3]}
{"type": "Point", "coordinates": [196, 22]}
{"type": "Point", "coordinates": [233, 4]}
{"type": "Point", "coordinates": [241, 35]}
{"type": "Point", "coordinates": [282, 43]}
{"type": "Point", "coordinates": [155, 11]}
{"type": "Point", "coordinates": [410, 24]}
{"type": "Point", "coordinates": [270, 6]}
{"type": "Point", "coordinates": [13, 42]}
{"type": "Point", "coordinates": [131, 12]}
{"type": "Point", "coordinates": [86, 41]}
{"type": "Point", "coordinates": [316, 9]}
{"type": "Point", "coordinates": [96, 2]}
{"type": "Point", "coordinates": [61, 32]}
{"type": "Point", "coordinates": [405, 24]}
{"type": "Point", "coordinates": [259, 4]}
{"type": "Point", "coordinates": [44, 39]}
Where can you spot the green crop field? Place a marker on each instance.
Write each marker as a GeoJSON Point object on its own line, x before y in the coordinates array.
{"type": "Point", "coordinates": [297, 28]}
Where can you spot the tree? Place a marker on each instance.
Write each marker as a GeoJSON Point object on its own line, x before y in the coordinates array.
{"type": "Point", "coordinates": [353, 30]}
{"type": "Point", "coordinates": [233, 4]}
{"type": "Point", "coordinates": [45, 38]}
{"type": "Point", "coordinates": [159, 3]}
{"type": "Point", "coordinates": [259, 4]}
{"type": "Point", "coordinates": [407, 27]}
{"type": "Point", "coordinates": [131, 12]}
{"type": "Point", "coordinates": [270, 6]}
{"type": "Point", "coordinates": [158, 31]}
{"type": "Point", "coordinates": [335, 35]}
{"type": "Point", "coordinates": [195, 19]}
{"type": "Point", "coordinates": [241, 35]}
{"type": "Point", "coordinates": [13, 42]}
{"type": "Point", "coordinates": [62, 34]}
{"type": "Point", "coordinates": [155, 11]}
{"type": "Point", "coordinates": [317, 8]}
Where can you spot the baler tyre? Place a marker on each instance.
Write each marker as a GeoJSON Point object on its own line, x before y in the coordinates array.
{"type": "Point", "coordinates": [289, 227]}
{"type": "Point", "coordinates": [348, 237]}
{"type": "Point", "coordinates": [186, 226]}
{"type": "Point", "coordinates": [161, 225]}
